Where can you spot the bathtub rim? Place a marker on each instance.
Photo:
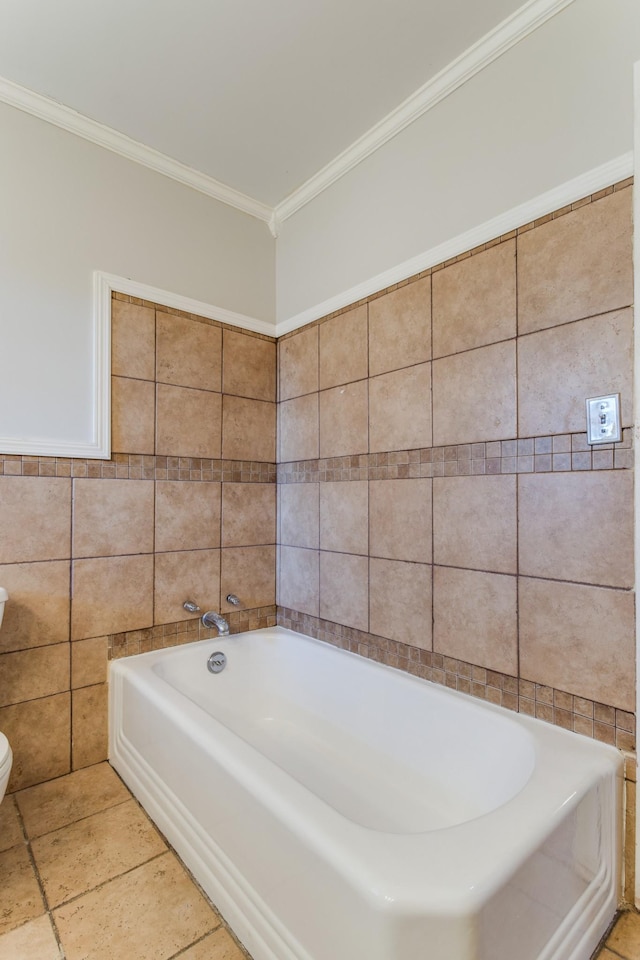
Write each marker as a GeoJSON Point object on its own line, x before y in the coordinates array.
{"type": "Point", "coordinates": [533, 805]}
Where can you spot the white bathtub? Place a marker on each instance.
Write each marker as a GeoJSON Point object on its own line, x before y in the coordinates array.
{"type": "Point", "coordinates": [336, 809]}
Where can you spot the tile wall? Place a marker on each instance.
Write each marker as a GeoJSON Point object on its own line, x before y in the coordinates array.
{"type": "Point", "coordinates": [98, 557]}
{"type": "Point", "coordinates": [439, 506]}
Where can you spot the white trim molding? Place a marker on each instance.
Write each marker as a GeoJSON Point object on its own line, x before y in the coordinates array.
{"type": "Point", "coordinates": [61, 116]}
{"type": "Point", "coordinates": [511, 31]}
{"type": "Point", "coordinates": [99, 447]}
{"type": "Point", "coordinates": [106, 283]}
{"type": "Point", "coordinates": [569, 192]}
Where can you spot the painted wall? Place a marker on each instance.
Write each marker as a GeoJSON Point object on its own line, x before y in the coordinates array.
{"type": "Point", "coordinates": [555, 106]}
{"type": "Point", "coordinates": [68, 207]}
{"type": "Point", "coordinates": [99, 556]}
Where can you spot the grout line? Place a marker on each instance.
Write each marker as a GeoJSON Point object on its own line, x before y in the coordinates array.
{"type": "Point", "coordinates": [517, 480]}
{"type": "Point", "coordinates": [34, 866]}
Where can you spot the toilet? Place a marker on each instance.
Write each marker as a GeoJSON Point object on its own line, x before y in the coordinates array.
{"type": "Point", "coordinates": [6, 757]}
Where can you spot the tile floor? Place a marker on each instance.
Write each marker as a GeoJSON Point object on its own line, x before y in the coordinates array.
{"type": "Point", "coordinates": [85, 875]}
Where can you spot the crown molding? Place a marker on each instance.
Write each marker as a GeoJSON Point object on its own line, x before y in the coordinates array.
{"type": "Point", "coordinates": [569, 192]}
{"type": "Point", "coordinates": [513, 29]}
{"type": "Point", "coordinates": [70, 120]}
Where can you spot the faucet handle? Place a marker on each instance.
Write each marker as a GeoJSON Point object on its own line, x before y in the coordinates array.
{"type": "Point", "coordinates": [231, 598]}
{"type": "Point", "coordinates": [191, 607]}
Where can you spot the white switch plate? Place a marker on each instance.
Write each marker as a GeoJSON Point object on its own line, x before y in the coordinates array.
{"type": "Point", "coordinates": [603, 419]}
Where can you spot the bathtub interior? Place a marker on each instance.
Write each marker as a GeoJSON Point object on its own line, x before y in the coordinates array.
{"type": "Point", "coordinates": [376, 758]}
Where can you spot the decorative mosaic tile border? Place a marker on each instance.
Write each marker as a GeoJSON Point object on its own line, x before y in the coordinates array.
{"type": "Point", "coordinates": [125, 466]}
{"type": "Point", "coordinates": [185, 631]}
{"type": "Point", "coordinates": [163, 308]}
{"type": "Point", "coordinates": [596, 720]}
{"type": "Point", "coordinates": [592, 198]}
{"type": "Point", "coordinates": [568, 452]}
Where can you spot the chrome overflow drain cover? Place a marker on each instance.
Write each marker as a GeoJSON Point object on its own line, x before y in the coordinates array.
{"type": "Point", "coordinates": [216, 662]}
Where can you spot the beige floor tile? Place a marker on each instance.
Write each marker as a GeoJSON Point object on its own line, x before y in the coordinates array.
{"type": "Point", "coordinates": [148, 914]}
{"type": "Point", "coordinates": [20, 897]}
{"type": "Point", "coordinates": [607, 955]}
{"type": "Point", "coordinates": [34, 940]}
{"type": "Point", "coordinates": [10, 828]}
{"type": "Point", "coordinates": [624, 939]}
{"type": "Point", "coordinates": [49, 806]}
{"type": "Point", "coordinates": [217, 946]}
{"type": "Point", "coordinates": [78, 857]}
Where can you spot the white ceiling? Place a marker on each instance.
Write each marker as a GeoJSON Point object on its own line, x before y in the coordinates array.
{"type": "Point", "coordinates": [259, 94]}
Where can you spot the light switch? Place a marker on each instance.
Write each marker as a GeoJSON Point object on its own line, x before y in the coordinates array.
{"type": "Point", "coordinates": [603, 419]}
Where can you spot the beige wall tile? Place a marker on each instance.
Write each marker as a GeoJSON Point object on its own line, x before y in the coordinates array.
{"type": "Point", "coordinates": [299, 579]}
{"type": "Point", "coordinates": [111, 595]}
{"type": "Point", "coordinates": [189, 353]}
{"type": "Point", "coordinates": [153, 911]}
{"type": "Point", "coordinates": [49, 806]}
{"type": "Point", "coordinates": [133, 340]}
{"type": "Point", "coordinates": [344, 511]}
{"type": "Point", "coordinates": [250, 573]}
{"type": "Point", "coordinates": [559, 368]}
{"type": "Point", "coordinates": [34, 940]}
{"type": "Point", "coordinates": [85, 854]}
{"type": "Point", "coordinates": [187, 515]}
{"type": "Point", "coordinates": [248, 429]}
{"type": "Point", "coordinates": [298, 429]}
{"type": "Point", "coordinates": [299, 515]}
{"type": "Point", "coordinates": [579, 639]}
{"type": "Point", "coordinates": [133, 415]}
{"type": "Point", "coordinates": [474, 301]}
{"type": "Point", "coordinates": [400, 327]}
{"type": "Point", "coordinates": [20, 897]}
{"type": "Point", "coordinates": [249, 366]}
{"type": "Point", "coordinates": [474, 395]}
{"type": "Point", "coordinates": [343, 348]}
{"type": "Point", "coordinates": [344, 589]}
{"type": "Point", "coordinates": [400, 409]}
{"type": "Point", "coordinates": [29, 674]}
{"type": "Point", "coordinates": [475, 523]}
{"type": "Point", "coordinates": [400, 602]}
{"type": "Point", "coordinates": [35, 519]}
{"type": "Point", "coordinates": [187, 575]}
{"type": "Point", "coordinates": [188, 422]}
{"type": "Point", "coordinates": [89, 664]}
{"type": "Point", "coordinates": [400, 519]}
{"type": "Point", "coordinates": [89, 726]}
{"type": "Point", "coordinates": [248, 514]}
{"type": "Point", "coordinates": [344, 420]}
{"type": "Point", "coordinates": [475, 618]}
{"type": "Point", "coordinates": [39, 604]}
{"type": "Point", "coordinates": [578, 265]}
{"type": "Point", "coordinates": [37, 757]}
{"type": "Point", "coordinates": [298, 364]}
{"type": "Point", "coordinates": [577, 526]}
{"type": "Point", "coordinates": [112, 517]}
